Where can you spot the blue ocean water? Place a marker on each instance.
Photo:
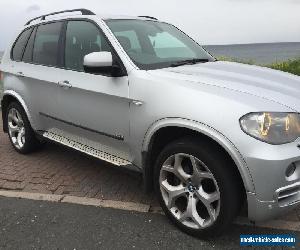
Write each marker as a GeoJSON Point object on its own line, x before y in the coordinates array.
{"type": "Point", "coordinates": [261, 53]}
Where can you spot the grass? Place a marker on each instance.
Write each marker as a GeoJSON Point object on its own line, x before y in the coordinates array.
{"type": "Point", "coordinates": [291, 66]}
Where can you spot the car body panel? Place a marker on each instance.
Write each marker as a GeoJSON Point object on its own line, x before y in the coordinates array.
{"type": "Point", "coordinates": [101, 106]}
{"type": "Point", "coordinates": [258, 81]}
{"type": "Point", "coordinates": [208, 131]}
{"type": "Point", "coordinates": [38, 88]}
{"type": "Point", "coordinates": [209, 98]}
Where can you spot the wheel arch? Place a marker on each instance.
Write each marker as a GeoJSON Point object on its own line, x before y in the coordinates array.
{"type": "Point", "coordinates": [183, 127]}
{"type": "Point", "coordinates": [8, 97]}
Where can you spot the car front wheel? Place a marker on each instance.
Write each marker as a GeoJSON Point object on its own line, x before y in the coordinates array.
{"type": "Point", "coordinates": [197, 187]}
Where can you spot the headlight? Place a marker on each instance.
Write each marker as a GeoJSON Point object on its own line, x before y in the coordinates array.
{"type": "Point", "coordinates": [273, 128]}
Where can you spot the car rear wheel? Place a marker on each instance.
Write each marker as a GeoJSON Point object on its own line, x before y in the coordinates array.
{"type": "Point", "coordinates": [196, 187]}
{"type": "Point", "coordinates": [20, 132]}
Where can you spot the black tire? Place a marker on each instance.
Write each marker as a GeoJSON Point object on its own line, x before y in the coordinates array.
{"type": "Point", "coordinates": [220, 166]}
{"type": "Point", "coordinates": [31, 142]}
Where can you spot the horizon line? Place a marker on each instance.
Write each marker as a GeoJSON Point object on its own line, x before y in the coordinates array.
{"type": "Point", "coordinates": [231, 44]}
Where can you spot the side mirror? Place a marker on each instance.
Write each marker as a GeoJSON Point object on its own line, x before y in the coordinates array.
{"type": "Point", "coordinates": [101, 63]}
{"type": "Point", "coordinates": [97, 60]}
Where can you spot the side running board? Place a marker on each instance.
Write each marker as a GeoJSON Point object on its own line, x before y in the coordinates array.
{"type": "Point", "coordinates": [89, 150]}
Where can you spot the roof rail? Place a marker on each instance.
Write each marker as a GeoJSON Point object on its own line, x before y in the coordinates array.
{"type": "Point", "coordinates": [84, 12]}
{"type": "Point", "coordinates": [149, 17]}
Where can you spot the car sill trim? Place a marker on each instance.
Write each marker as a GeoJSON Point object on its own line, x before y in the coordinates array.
{"type": "Point", "coordinates": [117, 137]}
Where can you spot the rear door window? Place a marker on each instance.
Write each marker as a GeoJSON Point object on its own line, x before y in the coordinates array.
{"type": "Point", "coordinates": [46, 44]}
{"type": "Point", "coordinates": [27, 57]}
{"type": "Point", "coordinates": [19, 46]}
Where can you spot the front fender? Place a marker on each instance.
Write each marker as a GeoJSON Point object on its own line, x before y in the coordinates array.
{"type": "Point", "coordinates": [212, 133]}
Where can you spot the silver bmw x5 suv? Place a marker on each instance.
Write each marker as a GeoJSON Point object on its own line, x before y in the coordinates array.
{"type": "Point", "coordinates": [207, 136]}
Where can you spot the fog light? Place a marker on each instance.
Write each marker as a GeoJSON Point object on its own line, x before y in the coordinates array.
{"type": "Point", "coordinates": [290, 170]}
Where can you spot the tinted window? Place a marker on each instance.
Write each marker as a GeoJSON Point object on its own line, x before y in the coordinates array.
{"type": "Point", "coordinates": [27, 57]}
{"type": "Point", "coordinates": [129, 40]}
{"type": "Point", "coordinates": [20, 45]}
{"type": "Point", "coordinates": [46, 44]}
{"type": "Point", "coordinates": [82, 38]}
{"type": "Point", "coordinates": [166, 45]}
{"type": "Point", "coordinates": [155, 45]}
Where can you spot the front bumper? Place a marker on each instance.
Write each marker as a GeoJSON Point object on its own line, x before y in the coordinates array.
{"type": "Point", "coordinates": [275, 191]}
{"type": "Point", "coordinates": [286, 199]}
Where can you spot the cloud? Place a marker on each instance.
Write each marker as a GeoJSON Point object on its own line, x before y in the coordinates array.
{"type": "Point", "coordinates": [207, 21]}
{"type": "Point", "coordinates": [33, 8]}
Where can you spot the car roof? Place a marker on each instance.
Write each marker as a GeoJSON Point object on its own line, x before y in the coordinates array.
{"type": "Point", "coordinates": [112, 17]}
{"type": "Point", "coordinates": [61, 15]}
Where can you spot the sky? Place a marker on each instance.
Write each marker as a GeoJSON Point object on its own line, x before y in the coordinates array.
{"type": "Point", "coordinates": [207, 21]}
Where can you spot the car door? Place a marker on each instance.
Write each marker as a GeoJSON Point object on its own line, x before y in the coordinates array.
{"type": "Point", "coordinates": [93, 108]}
{"type": "Point", "coordinates": [37, 74]}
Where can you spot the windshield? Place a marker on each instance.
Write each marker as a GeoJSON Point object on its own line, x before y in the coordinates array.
{"type": "Point", "coordinates": [154, 45]}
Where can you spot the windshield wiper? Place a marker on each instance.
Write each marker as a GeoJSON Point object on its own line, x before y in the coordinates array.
{"type": "Point", "coordinates": [190, 61]}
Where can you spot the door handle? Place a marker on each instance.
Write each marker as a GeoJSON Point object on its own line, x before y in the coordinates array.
{"type": "Point", "coordinates": [20, 74]}
{"type": "Point", "coordinates": [137, 103]}
{"type": "Point", "coordinates": [65, 84]}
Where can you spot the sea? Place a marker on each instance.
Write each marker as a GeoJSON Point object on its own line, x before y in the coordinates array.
{"type": "Point", "coordinates": [259, 53]}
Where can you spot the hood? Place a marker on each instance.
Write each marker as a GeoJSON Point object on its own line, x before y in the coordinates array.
{"type": "Point", "coordinates": [274, 85]}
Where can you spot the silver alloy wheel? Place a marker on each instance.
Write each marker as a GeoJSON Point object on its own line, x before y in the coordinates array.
{"type": "Point", "coordinates": [190, 191]}
{"type": "Point", "coordinates": [16, 128]}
